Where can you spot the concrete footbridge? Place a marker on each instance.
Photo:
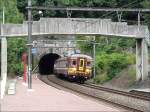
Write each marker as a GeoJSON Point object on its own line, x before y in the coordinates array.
{"type": "Point", "coordinates": [76, 26]}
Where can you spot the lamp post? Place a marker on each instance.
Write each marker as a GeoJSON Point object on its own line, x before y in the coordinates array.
{"type": "Point", "coordinates": [29, 45]}
{"type": "Point", "coordinates": [94, 57]}
{"type": "Point", "coordinates": [3, 15]}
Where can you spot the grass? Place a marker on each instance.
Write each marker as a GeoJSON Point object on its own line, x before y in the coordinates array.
{"type": "Point", "coordinates": [101, 78]}
{"type": "Point", "coordinates": [132, 73]}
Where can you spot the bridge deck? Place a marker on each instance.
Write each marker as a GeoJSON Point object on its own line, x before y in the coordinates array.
{"type": "Point", "coordinates": [75, 26]}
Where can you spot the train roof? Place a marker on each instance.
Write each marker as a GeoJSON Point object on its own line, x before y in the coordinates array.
{"type": "Point", "coordinates": [75, 56]}
{"type": "Point", "coordinates": [81, 55]}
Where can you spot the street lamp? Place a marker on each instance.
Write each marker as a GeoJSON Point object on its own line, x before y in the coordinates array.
{"type": "Point", "coordinates": [40, 12]}
{"type": "Point", "coordinates": [29, 46]}
{"type": "Point", "coordinates": [94, 74]}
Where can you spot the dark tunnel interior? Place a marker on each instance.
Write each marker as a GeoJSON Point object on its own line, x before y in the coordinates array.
{"type": "Point", "coordinates": [46, 63]}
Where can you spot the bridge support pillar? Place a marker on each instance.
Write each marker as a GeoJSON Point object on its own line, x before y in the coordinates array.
{"type": "Point", "coordinates": [3, 65]}
{"type": "Point", "coordinates": [141, 60]}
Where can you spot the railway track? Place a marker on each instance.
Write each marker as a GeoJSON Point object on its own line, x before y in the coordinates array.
{"type": "Point", "coordinates": [140, 93]}
{"type": "Point", "coordinates": [122, 99]}
{"type": "Point", "coordinates": [129, 94]}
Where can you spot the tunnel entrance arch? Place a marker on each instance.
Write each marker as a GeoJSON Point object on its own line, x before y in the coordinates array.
{"type": "Point", "coordinates": [46, 63]}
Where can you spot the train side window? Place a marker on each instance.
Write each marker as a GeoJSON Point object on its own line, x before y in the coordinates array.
{"type": "Point", "coordinates": [66, 64]}
{"type": "Point", "coordinates": [63, 64]}
{"type": "Point", "coordinates": [74, 62]}
{"type": "Point", "coordinates": [88, 63]}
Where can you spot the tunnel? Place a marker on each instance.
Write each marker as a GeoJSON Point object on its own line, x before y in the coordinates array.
{"type": "Point", "coordinates": [46, 63]}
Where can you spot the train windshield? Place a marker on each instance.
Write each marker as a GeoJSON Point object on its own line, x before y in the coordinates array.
{"type": "Point", "coordinates": [74, 62]}
{"type": "Point", "coordinates": [81, 62]}
{"type": "Point", "coordinates": [88, 63]}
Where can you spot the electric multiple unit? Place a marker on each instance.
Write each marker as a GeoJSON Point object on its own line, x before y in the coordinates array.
{"type": "Point", "coordinates": [75, 67]}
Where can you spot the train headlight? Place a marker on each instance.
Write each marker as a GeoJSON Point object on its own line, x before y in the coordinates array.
{"type": "Point", "coordinates": [88, 71]}
{"type": "Point", "coordinates": [73, 69]}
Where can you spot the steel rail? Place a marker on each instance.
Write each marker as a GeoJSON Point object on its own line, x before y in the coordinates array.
{"type": "Point", "coordinates": [129, 94]}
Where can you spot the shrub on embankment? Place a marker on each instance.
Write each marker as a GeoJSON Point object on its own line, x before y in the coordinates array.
{"type": "Point", "coordinates": [109, 65]}
{"type": "Point", "coordinates": [16, 47]}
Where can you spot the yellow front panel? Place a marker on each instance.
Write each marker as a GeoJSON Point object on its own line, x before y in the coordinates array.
{"type": "Point", "coordinates": [81, 65]}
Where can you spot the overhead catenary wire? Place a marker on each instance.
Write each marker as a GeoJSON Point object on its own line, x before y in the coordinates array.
{"type": "Point", "coordinates": [119, 18]}
{"type": "Point", "coordinates": [124, 6]}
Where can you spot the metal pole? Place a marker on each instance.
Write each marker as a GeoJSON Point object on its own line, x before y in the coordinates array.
{"type": "Point", "coordinates": [139, 20]}
{"type": "Point", "coordinates": [94, 57]}
{"type": "Point", "coordinates": [29, 46]}
{"type": "Point", "coordinates": [3, 15]}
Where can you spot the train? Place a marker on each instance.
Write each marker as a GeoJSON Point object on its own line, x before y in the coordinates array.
{"type": "Point", "coordinates": [77, 67]}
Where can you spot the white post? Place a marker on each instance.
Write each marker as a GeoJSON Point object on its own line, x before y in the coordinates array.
{"type": "Point", "coordinates": [141, 60]}
{"type": "Point", "coordinates": [3, 65]}
{"type": "Point", "coordinates": [3, 61]}
{"type": "Point", "coordinates": [138, 59]}
{"type": "Point", "coordinates": [145, 63]}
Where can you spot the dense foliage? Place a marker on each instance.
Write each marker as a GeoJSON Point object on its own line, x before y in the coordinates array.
{"type": "Point", "coordinates": [109, 65]}
{"type": "Point", "coordinates": [130, 17]}
{"type": "Point", "coordinates": [15, 46]}
{"type": "Point", "coordinates": [15, 49]}
{"type": "Point", "coordinates": [12, 14]}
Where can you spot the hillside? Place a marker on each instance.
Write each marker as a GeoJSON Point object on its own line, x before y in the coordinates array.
{"type": "Point", "coordinates": [126, 80]}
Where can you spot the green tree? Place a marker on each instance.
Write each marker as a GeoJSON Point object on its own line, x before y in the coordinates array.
{"type": "Point", "coordinates": [15, 49]}
{"type": "Point", "coordinates": [12, 14]}
{"type": "Point", "coordinates": [146, 4]}
{"type": "Point", "coordinates": [15, 46]}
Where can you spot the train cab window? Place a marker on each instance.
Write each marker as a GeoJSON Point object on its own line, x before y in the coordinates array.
{"type": "Point", "coordinates": [81, 63]}
{"type": "Point", "coordinates": [74, 62]}
{"type": "Point", "coordinates": [88, 63]}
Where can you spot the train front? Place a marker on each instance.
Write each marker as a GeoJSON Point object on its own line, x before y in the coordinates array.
{"type": "Point", "coordinates": [80, 67]}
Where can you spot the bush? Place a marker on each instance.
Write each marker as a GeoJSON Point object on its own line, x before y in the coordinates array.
{"type": "Point", "coordinates": [131, 59]}
{"type": "Point", "coordinates": [109, 65]}
{"type": "Point", "coordinates": [101, 78]}
{"type": "Point", "coordinates": [132, 73]}
{"type": "Point", "coordinates": [102, 61]}
{"type": "Point", "coordinates": [116, 64]}
{"type": "Point", "coordinates": [16, 47]}
{"type": "Point", "coordinates": [16, 68]}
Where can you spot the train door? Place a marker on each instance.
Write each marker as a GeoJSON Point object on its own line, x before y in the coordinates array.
{"type": "Point", "coordinates": [81, 64]}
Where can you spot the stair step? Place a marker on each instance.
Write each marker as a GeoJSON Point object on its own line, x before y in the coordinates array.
{"type": "Point", "coordinates": [12, 87]}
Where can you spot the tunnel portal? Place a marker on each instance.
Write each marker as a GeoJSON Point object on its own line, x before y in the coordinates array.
{"type": "Point", "coordinates": [46, 63]}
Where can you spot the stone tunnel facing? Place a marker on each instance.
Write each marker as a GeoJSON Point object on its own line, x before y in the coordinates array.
{"type": "Point", "coordinates": [46, 63]}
